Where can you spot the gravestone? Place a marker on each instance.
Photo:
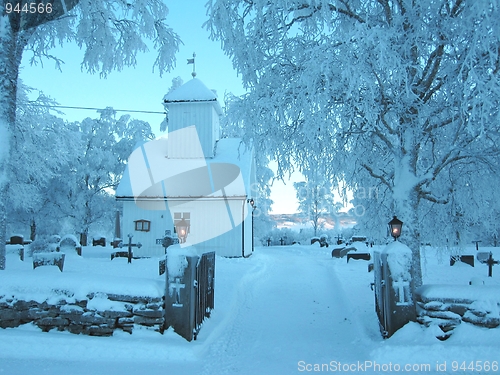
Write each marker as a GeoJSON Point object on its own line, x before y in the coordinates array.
{"type": "Point", "coordinates": [491, 262]}
{"type": "Point", "coordinates": [342, 251]}
{"type": "Point", "coordinates": [19, 240]}
{"type": "Point", "coordinates": [70, 243]}
{"type": "Point", "coordinates": [49, 259]}
{"type": "Point", "coordinates": [130, 245]}
{"type": "Point", "coordinates": [467, 259]}
{"type": "Point", "coordinates": [119, 254]}
{"type": "Point", "coordinates": [358, 256]}
{"type": "Point", "coordinates": [99, 241]}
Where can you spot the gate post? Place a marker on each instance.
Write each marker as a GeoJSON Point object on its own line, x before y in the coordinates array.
{"type": "Point", "coordinates": [180, 290]}
{"type": "Point", "coordinates": [394, 302]}
{"type": "Point", "coordinates": [189, 290]}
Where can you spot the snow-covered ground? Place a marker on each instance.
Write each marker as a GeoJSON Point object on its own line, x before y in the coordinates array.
{"type": "Point", "coordinates": [284, 310]}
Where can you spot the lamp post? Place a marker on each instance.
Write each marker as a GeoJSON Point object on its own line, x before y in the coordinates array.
{"type": "Point", "coordinates": [182, 229]}
{"type": "Point", "coordinates": [252, 203]}
{"type": "Point", "coordinates": [395, 226]}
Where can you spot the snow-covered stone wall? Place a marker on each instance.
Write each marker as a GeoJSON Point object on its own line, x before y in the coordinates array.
{"type": "Point", "coordinates": [99, 314]}
{"type": "Point", "coordinates": [447, 306]}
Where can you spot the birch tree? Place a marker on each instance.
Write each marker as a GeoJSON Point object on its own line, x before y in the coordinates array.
{"type": "Point", "coordinates": [42, 144]}
{"type": "Point", "coordinates": [399, 91]}
{"type": "Point", "coordinates": [96, 169]}
{"type": "Point", "coordinates": [110, 32]}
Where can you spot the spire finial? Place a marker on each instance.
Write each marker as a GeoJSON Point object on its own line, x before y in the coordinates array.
{"type": "Point", "coordinates": [191, 61]}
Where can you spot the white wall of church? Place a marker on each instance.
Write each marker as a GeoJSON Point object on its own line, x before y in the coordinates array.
{"type": "Point", "coordinates": [216, 125]}
{"type": "Point", "coordinates": [215, 225]}
{"type": "Point", "coordinates": [160, 221]}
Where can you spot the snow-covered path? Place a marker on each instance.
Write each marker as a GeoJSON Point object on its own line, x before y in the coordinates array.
{"type": "Point", "coordinates": [264, 329]}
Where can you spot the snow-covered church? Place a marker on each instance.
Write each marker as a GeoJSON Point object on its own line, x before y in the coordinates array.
{"type": "Point", "coordinates": [191, 182]}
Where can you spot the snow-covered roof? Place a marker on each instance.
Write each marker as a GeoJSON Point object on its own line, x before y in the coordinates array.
{"type": "Point", "coordinates": [156, 176]}
{"type": "Point", "coordinates": [193, 90]}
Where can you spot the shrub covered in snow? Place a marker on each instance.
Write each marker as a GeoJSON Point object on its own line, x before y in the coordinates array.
{"type": "Point", "coordinates": [43, 245]}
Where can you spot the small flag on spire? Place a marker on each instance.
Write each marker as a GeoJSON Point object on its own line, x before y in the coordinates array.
{"type": "Point", "coordinates": [191, 61]}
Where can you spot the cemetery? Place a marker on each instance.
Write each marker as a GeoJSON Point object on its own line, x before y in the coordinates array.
{"type": "Point", "coordinates": [94, 295]}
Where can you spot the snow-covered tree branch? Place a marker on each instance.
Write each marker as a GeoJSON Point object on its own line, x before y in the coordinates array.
{"type": "Point", "coordinates": [393, 92]}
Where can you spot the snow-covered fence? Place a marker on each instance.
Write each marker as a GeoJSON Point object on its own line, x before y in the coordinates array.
{"type": "Point", "coordinates": [100, 314]}
{"type": "Point", "coordinates": [447, 306]}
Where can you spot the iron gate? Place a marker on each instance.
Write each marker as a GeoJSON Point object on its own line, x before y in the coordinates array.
{"type": "Point", "coordinates": [205, 277]}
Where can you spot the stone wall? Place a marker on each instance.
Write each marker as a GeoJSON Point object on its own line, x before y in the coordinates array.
{"type": "Point", "coordinates": [447, 307]}
{"type": "Point", "coordinates": [100, 314]}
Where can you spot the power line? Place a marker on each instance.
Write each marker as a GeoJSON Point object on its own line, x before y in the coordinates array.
{"type": "Point", "coordinates": [97, 109]}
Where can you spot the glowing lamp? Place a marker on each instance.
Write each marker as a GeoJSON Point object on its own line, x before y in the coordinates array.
{"type": "Point", "coordinates": [182, 228]}
{"type": "Point", "coordinates": [395, 226]}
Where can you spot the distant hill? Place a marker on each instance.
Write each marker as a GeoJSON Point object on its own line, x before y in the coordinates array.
{"type": "Point", "coordinates": [296, 221]}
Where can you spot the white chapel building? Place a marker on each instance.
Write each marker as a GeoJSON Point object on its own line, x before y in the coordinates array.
{"type": "Point", "coordinates": [190, 175]}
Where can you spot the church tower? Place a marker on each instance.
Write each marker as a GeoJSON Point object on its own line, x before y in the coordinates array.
{"type": "Point", "coordinates": [193, 113]}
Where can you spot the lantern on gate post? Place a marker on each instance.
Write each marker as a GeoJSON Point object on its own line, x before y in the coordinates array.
{"type": "Point", "coordinates": [182, 229]}
{"type": "Point", "coordinates": [395, 226]}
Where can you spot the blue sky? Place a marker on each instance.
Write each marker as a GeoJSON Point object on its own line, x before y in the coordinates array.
{"type": "Point", "coordinates": [140, 88]}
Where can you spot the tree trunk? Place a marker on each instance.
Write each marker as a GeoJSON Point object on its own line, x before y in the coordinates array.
{"type": "Point", "coordinates": [413, 238]}
{"type": "Point", "coordinates": [406, 201]}
{"type": "Point", "coordinates": [33, 229]}
{"type": "Point", "coordinates": [83, 239]}
{"type": "Point", "coordinates": [8, 90]}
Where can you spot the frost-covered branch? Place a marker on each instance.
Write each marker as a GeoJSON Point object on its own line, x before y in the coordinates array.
{"type": "Point", "coordinates": [379, 176]}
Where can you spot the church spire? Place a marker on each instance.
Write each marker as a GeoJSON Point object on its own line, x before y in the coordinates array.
{"type": "Point", "coordinates": [191, 61]}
